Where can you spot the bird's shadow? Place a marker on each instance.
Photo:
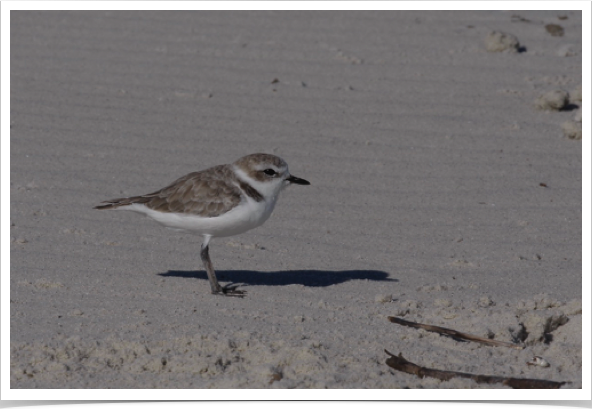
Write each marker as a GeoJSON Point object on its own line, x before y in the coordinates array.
{"type": "Point", "coordinates": [308, 278]}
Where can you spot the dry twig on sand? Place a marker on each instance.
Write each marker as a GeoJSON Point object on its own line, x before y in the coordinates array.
{"type": "Point", "coordinates": [454, 334]}
{"type": "Point", "coordinates": [401, 364]}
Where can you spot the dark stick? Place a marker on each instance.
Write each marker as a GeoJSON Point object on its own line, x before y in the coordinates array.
{"type": "Point", "coordinates": [453, 333]}
{"type": "Point", "coordinates": [401, 364]}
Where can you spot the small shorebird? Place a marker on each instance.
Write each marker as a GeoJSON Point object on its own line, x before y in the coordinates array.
{"type": "Point", "coordinates": [221, 201]}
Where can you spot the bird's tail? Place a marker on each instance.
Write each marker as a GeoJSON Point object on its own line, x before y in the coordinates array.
{"type": "Point", "coordinates": [124, 201]}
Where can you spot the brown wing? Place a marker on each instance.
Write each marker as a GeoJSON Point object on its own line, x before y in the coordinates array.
{"type": "Point", "coordinates": [208, 193]}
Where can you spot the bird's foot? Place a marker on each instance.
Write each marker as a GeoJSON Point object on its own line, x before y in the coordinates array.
{"type": "Point", "coordinates": [230, 291]}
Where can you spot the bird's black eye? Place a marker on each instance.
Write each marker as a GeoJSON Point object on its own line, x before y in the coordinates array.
{"type": "Point", "coordinates": [270, 172]}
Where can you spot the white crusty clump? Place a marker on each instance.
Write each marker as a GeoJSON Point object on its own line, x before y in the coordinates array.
{"type": "Point", "coordinates": [497, 41]}
{"type": "Point", "coordinates": [555, 100]}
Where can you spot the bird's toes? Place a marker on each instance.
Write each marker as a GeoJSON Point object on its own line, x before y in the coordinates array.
{"type": "Point", "coordinates": [230, 291]}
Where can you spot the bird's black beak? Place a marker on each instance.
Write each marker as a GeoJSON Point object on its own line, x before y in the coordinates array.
{"type": "Point", "coordinates": [298, 181]}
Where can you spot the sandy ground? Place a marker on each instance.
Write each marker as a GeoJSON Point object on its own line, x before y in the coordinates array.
{"type": "Point", "coordinates": [439, 193]}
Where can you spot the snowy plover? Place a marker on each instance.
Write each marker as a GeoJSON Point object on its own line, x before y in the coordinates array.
{"type": "Point", "coordinates": [221, 201]}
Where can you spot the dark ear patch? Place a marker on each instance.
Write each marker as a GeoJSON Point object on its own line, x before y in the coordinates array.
{"type": "Point", "coordinates": [259, 176]}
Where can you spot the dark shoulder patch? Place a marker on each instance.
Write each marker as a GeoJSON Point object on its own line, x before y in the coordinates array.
{"type": "Point", "coordinates": [250, 191]}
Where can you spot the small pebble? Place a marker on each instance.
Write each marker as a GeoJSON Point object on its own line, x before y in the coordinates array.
{"type": "Point", "coordinates": [555, 30]}
{"type": "Point", "coordinates": [383, 298]}
{"type": "Point", "coordinates": [485, 302]}
{"type": "Point", "coordinates": [539, 361]}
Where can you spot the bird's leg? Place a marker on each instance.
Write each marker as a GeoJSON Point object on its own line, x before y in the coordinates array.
{"type": "Point", "coordinates": [216, 288]}
{"type": "Point", "coordinates": [205, 258]}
